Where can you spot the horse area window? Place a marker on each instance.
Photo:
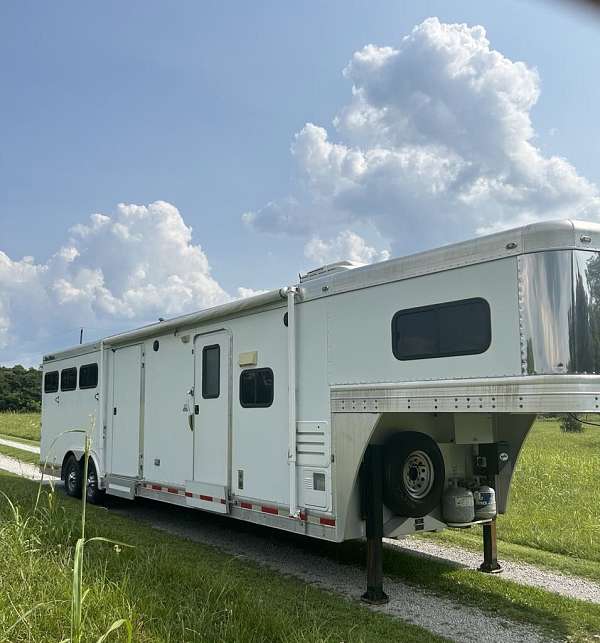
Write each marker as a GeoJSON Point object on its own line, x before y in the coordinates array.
{"type": "Point", "coordinates": [88, 376]}
{"type": "Point", "coordinates": [51, 382]}
{"type": "Point", "coordinates": [68, 379]}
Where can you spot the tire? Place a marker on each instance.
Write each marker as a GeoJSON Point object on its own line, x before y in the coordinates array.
{"type": "Point", "coordinates": [73, 477]}
{"type": "Point", "coordinates": [413, 474]}
{"type": "Point", "coordinates": [95, 495]}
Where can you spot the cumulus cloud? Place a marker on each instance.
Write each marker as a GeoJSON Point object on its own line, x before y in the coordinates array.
{"type": "Point", "coordinates": [133, 266]}
{"type": "Point", "coordinates": [346, 245]}
{"type": "Point", "coordinates": [436, 142]}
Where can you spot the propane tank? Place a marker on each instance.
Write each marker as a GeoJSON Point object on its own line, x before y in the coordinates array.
{"type": "Point", "coordinates": [485, 503]}
{"type": "Point", "coordinates": [458, 505]}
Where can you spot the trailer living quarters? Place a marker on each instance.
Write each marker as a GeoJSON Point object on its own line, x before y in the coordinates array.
{"type": "Point", "coordinates": [345, 405]}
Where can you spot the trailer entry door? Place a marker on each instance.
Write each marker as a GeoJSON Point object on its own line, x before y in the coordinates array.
{"type": "Point", "coordinates": [211, 422]}
{"type": "Point", "coordinates": [126, 413]}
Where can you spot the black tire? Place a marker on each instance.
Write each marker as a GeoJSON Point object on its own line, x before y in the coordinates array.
{"type": "Point", "coordinates": [73, 477]}
{"type": "Point", "coordinates": [413, 474]}
{"type": "Point", "coordinates": [95, 495]}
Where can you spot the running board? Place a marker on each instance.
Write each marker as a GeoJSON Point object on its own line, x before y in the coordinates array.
{"type": "Point", "coordinates": [121, 487]}
{"type": "Point", "coordinates": [204, 495]}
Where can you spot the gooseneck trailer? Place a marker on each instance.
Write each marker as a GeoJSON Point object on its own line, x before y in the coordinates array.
{"type": "Point", "coordinates": [360, 402]}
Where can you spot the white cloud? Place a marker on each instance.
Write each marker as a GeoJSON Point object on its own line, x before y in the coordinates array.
{"type": "Point", "coordinates": [346, 245]}
{"type": "Point", "coordinates": [435, 143]}
{"type": "Point", "coordinates": [243, 293]}
{"type": "Point", "coordinates": [133, 266]}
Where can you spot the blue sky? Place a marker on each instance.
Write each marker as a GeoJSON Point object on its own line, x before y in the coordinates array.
{"type": "Point", "coordinates": [197, 105]}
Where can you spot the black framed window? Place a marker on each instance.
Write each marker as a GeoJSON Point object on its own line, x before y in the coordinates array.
{"type": "Point", "coordinates": [443, 330]}
{"type": "Point", "coordinates": [68, 379]}
{"type": "Point", "coordinates": [256, 388]}
{"type": "Point", "coordinates": [88, 376]}
{"type": "Point", "coordinates": [51, 382]}
{"type": "Point", "coordinates": [211, 371]}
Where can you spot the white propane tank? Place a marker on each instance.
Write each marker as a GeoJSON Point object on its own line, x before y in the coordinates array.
{"type": "Point", "coordinates": [458, 505]}
{"type": "Point", "coordinates": [485, 503]}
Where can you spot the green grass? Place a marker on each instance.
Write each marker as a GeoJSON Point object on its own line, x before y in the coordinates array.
{"type": "Point", "coordinates": [33, 443]}
{"type": "Point", "coordinates": [553, 515]}
{"type": "Point", "coordinates": [169, 588]}
{"type": "Point", "coordinates": [20, 425]}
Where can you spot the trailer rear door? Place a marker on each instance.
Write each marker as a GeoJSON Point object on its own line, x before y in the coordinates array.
{"type": "Point", "coordinates": [211, 422]}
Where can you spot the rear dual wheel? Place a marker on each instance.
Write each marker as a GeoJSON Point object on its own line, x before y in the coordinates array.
{"type": "Point", "coordinates": [74, 480]}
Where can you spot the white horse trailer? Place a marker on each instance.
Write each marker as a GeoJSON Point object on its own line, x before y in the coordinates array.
{"type": "Point", "coordinates": [342, 406]}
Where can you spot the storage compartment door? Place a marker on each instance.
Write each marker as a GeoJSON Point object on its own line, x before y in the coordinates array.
{"type": "Point", "coordinates": [126, 411]}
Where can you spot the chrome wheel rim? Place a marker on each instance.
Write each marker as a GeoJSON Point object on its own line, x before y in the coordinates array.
{"type": "Point", "coordinates": [72, 479]}
{"type": "Point", "coordinates": [91, 482]}
{"type": "Point", "coordinates": [418, 475]}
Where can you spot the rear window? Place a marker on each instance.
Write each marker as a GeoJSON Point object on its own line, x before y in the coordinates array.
{"type": "Point", "coordinates": [88, 376]}
{"type": "Point", "coordinates": [51, 382]}
{"type": "Point", "coordinates": [256, 388]}
{"type": "Point", "coordinates": [68, 379]}
{"type": "Point", "coordinates": [443, 330]}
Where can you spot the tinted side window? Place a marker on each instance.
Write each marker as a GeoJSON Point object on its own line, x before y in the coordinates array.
{"type": "Point", "coordinates": [444, 330]}
{"type": "Point", "coordinates": [256, 388]}
{"type": "Point", "coordinates": [68, 379]}
{"type": "Point", "coordinates": [88, 376]}
{"type": "Point", "coordinates": [211, 371]}
{"type": "Point", "coordinates": [51, 382]}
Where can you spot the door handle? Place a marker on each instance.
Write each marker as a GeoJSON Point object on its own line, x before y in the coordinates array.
{"type": "Point", "coordinates": [196, 409]}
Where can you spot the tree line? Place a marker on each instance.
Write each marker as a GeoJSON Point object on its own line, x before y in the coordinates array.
{"type": "Point", "coordinates": [20, 389]}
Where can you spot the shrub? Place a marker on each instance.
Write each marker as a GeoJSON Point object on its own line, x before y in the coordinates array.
{"type": "Point", "coordinates": [570, 424]}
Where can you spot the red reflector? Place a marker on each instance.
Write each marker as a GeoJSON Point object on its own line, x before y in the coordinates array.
{"type": "Point", "coordinates": [302, 515]}
{"type": "Point", "coordinates": [222, 501]}
{"type": "Point", "coordinates": [189, 494]}
{"type": "Point", "coordinates": [245, 505]}
{"type": "Point", "coordinates": [156, 487]}
{"type": "Point", "coordinates": [269, 510]}
{"type": "Point", "coordinates": [171, 490]}
{"type": "Point", "coordinates": [330, 522]}
{"type": "Point", "coordinates": [207, 498]}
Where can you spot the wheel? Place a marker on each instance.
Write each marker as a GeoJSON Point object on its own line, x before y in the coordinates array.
{"type": "Point", "coordinates": [95, 495]}
{"type": "Point", "coordinates": [413, 474]}
{"type": "Point", "coordinates": [73, 477]}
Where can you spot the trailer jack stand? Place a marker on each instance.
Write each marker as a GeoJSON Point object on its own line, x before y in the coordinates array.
{"type": "Point", "coordinates": [490, 563]}
{"type": "Point", "coordinates": [374, 527]}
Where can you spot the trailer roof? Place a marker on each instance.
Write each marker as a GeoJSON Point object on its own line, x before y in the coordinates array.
{"type": "Point", "coordinates": [536, 237]}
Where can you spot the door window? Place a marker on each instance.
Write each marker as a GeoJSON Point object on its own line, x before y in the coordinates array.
{"type": "Point", "coordinates": [211, 371]}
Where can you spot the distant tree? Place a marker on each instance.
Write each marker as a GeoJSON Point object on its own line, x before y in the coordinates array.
{"type": "Point", "coordinates": [20, 389]}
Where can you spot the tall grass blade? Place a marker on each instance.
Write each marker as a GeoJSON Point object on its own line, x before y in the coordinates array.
{"type": "Point", "coordinates": [77, 599]}
{"type": "Point", "coordinates": [115, 626]}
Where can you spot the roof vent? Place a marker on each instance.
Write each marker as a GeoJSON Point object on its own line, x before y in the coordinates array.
{"type": "Point", "coordinates": [329, 268]}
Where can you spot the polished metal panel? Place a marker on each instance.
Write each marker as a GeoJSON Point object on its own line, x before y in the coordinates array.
{"type": "Point", "coordinates": [560, 307]}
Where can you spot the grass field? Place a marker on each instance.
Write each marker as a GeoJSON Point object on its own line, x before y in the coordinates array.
{"type": "Point", "coordinates": [20, 425]}
{"type": "Point", "coordinates": [171, 589]}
